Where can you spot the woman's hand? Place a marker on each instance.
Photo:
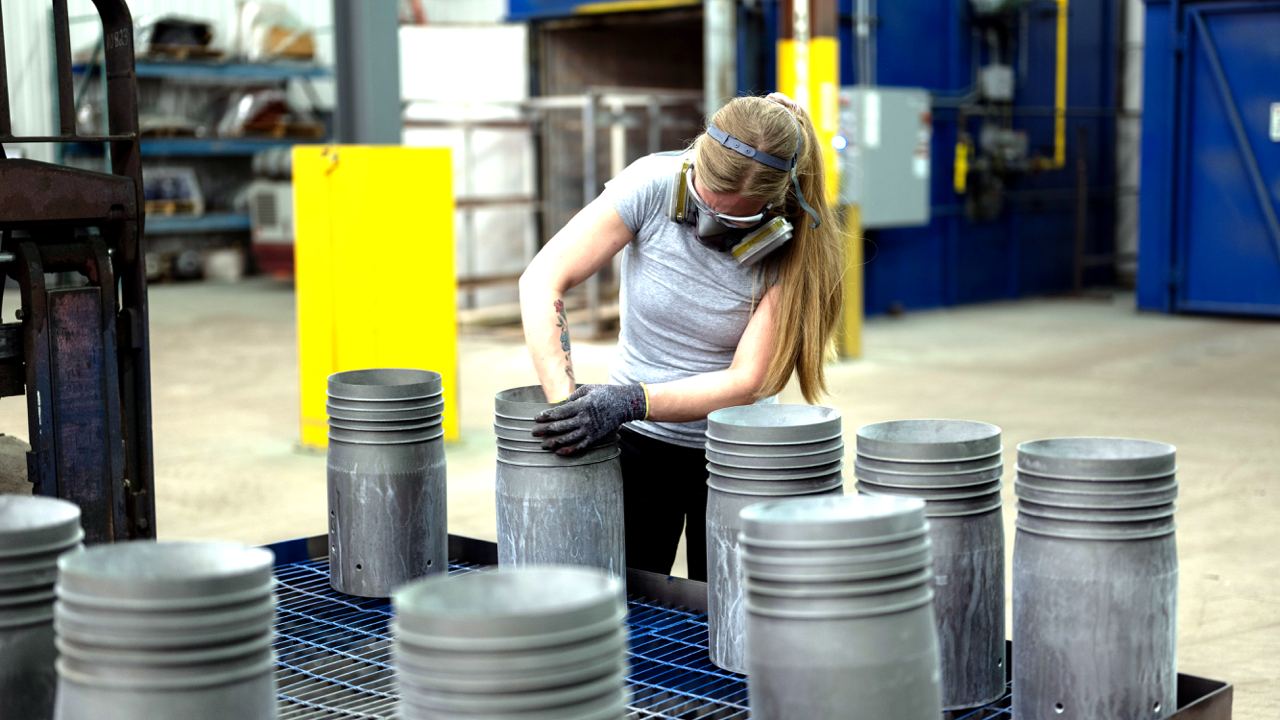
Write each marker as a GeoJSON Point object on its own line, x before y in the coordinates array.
{"type": "Point", "coordinates": [593, 413]}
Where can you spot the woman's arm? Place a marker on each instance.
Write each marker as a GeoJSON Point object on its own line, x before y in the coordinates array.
{"type": "Point", "coordinates": [692, 398]}
{"type": "Point", "coordinates": [582, 247]}
{"type": "Point", "coordinates": [597, 411]}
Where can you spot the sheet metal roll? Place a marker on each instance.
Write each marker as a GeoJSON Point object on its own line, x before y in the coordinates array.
{"type": "Point", "coordinates": [854, 632]}
{"type": "Point", "coordinates": [386, 480]}
{"type": "Point", "coordinates": [955, 467]}
{"type": "Point", "coordinates": [555, 510]}
{"type": "Point", "coordinates": [1095, 549]}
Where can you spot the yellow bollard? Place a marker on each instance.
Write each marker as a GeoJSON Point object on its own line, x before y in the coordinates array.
{"type": "Point", "coordinates": [374, 269]}
{"type": "Point", "coordinates": [849, 335]}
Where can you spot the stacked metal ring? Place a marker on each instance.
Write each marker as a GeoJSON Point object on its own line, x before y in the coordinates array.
{"type": "Point", "coordinates": [755, 453]}
{"type": "Point", "coordinates": [34, 533]}
{"type": "Point", "coordinates": [955, 466]}
{"type": "Point", "coordinates": [555, 509]}
{"type": "Point", "coordinates": [839, 608]}
{"type": "Point", "coordinates": [171, 629]}
{"type": "Point", "coordinates": [1095, 549]}
{"type": "Point", "coordinates": [543, 643]}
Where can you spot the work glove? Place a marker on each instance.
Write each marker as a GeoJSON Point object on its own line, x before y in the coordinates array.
{"type": "Point", "coordinates": [591, 414]}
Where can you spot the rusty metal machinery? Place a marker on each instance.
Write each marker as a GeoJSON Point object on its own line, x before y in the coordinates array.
{"type": "Point", "coordinates": [82, 359]}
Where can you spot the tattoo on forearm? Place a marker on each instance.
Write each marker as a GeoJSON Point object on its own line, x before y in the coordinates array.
{"type": "Point", "coordinates": [562, 322]}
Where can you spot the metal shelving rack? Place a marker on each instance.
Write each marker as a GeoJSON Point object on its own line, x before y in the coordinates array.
{"type": "Point", "coordinates": [229, 74]}
{"type": "Point", "coordinates": [197, 147]}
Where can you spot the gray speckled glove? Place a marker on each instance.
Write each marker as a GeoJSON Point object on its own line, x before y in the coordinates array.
{"type": "Point", "coordinates": [592, 413]}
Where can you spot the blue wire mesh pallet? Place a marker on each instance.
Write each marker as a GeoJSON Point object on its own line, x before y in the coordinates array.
{"type": "Point", "coordinates": [334, 656]}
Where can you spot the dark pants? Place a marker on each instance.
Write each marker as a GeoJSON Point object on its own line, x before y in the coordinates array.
{"type": "Point", "coordinates": [665, 490]}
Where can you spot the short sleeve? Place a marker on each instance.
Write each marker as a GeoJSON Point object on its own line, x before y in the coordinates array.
{"type": "Point", "coordinates": [639, 193]}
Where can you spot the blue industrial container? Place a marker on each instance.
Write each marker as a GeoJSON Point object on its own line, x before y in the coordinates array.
{"type": "Point", "coordinates": [1209, 236]}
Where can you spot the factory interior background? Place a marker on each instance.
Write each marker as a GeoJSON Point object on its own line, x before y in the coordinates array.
{"type": "Point", "coordinates": [1061, 219]}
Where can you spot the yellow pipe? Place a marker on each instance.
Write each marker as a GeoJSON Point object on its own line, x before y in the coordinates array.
{"type": "Point", "coordinates": [1060, 91]}
{"type": "Point", "coordinates": [612, 6]}
{"type": "Point", "coordinates": [849, 334]}
{"type": "Point", "coordinates": [960, 175]}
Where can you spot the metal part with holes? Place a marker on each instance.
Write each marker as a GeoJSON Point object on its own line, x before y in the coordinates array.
{"type": "Point", "coordinates": [334, 650]}
{"type": "Point", "coordinates": [386, 514]}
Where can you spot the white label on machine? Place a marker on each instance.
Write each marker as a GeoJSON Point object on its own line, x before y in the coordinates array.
{"type": "Point", "coordinates": [1275, 122]}
{"type": "Point", "coordinates": [871, 119]}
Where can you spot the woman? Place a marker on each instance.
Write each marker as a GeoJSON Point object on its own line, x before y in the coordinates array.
{"type": "Point", "coordinates": [731, 282]}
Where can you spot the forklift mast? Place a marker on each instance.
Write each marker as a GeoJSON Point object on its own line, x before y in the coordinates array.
{"type": "Point", "coordinates": [80, 351]}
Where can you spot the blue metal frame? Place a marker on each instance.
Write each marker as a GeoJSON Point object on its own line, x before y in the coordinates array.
{"type": "Point", "coordinates": [197, 147]}
{"type": "Point", "coordinates": [227, 72]}
{"type": "Point", "coordinates": [334, 653]}
{"type": "Point", "coordinates": [520, 10]}
{"type": "Point", "coordinates": [1212, 242]}
{"type": "Point", "coordinates": [193, 224]}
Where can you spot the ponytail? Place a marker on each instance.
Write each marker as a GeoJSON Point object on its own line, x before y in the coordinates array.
{"type": "Point", "coordinates": [810, 272]}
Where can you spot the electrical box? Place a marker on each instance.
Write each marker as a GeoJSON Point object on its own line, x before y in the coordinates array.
{"type": "Point", "coordinates": [884, 154]}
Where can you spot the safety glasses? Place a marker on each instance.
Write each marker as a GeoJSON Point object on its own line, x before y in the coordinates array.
{"type": "Point", "coordinates": [730, 220]}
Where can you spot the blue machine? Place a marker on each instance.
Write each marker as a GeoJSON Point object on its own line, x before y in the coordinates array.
{"type": "Point", "coordinates": [1029, 245]}
{"type": "Point", "coordinates": [1210, 238]}
{"type": "Point", "coordinates": [1029, 248]}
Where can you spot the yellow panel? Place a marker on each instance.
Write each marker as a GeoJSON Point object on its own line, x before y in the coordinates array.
{"type": "Point", "coordinates": [313, 263]}
{"type": "Point", "coordinates": [787, 67]}
{"type": "Point", "coordinates": [820, 58]}
{"type": "Point", "coordinates": [824, 94]}
{"type": "Point", "coordinates": [375, 276]}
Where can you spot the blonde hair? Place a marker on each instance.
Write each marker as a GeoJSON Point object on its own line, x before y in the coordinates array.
{"type": "Point", "coordinates": [810, 267]}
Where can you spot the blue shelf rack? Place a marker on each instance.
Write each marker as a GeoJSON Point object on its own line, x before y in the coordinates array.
{"type": "Point", "coordinates": [196, 147]}
{"type": "Point", "coordinates": [195, 224]}
{"type": "Point", "coordinates": [227, 72]}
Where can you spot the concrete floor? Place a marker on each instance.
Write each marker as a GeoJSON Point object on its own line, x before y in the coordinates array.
{"type": "Point", "coordinates": [228, 465]}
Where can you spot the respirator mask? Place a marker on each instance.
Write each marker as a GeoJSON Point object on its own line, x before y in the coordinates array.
{"type": "Point", "coordinates": [749, 238]}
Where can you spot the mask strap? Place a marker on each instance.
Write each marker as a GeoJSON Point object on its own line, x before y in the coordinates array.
{"type": "Point", "coordinates": [746, 150]}
{"type": "Point", "coordinates": [795, 179]}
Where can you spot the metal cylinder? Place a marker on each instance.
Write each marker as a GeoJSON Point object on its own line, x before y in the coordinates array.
{"type": "Point", "coordinates": [955, 467]}
{"type": "Point", "coordinates": [744, 467]}
{"type": "Point", "coordinates": [525, 642]}
{"type": "Point", "coordinates": [855, 629]}
{"type": "Point", "coordinates": [555, 510]}
{"type": "Point", "coordinates": [1095, 548]}
{"type": "Point", "coordinates": [726, 613]}
{"type": "Point", "coordinates": [150, 629]}
{"type": "Point", "coordinates": [388, 522]}
{"type": "Point", "coordinates": [34, 533]}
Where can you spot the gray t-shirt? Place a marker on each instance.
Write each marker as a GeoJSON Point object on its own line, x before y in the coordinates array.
{"type": "Point", "coordinates": [684, 305]}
